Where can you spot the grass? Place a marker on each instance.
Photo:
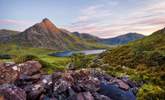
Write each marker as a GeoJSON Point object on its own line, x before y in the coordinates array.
{"type": "Point", "coordinates": [143, 61]}
{"type": "Point", "coordinates": [19, 54]}
{"type": "Point", "coordinates": [49, 63]}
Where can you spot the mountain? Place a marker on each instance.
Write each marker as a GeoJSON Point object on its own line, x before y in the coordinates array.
{"type": "Point", "coordinates": [122, 39]}
{"type": "Point", "coordinates": [6, 35]}
{"type": "Point", "coordinates": [87, 37]}
{"type": "Point", "coordinates": [46, 35]}
{"type": "Point", "coordinates": [5, 32]}
{"type": "Point", "coordinates": [149, 51]}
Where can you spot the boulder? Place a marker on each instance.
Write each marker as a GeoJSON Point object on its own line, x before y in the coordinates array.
{"type": "Point", "coordinates": [11, 92]}
{"type": "Point", "coordinates": [8, 75]}
{"type": "Point", "coordinates": [82, 96]}
{"type": "Point", "coordinates": [34, 91]}
{"type": "Point", "coordinates": [30, 67]}
{"type": "Point", "coordinates": [83, 84]}
{"type": "Point", "coordinates": [98, 96]}
{"type": "Point", "coordinates": [115, 93]}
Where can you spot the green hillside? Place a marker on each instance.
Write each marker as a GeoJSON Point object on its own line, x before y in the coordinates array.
{"type": "Point", "coordinates": [20, 54]}
{"type": "Point", "coordinates": [142, 61]}
{"type": "Point", "coordinates": [149, 51]}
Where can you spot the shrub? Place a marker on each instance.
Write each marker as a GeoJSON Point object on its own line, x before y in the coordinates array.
{"type": "Point", "coordinates": [80, 60]}
{"type": "Point", "coordinates": [150, 92]}
{"type": "Point", "coordinates": [155, 58]}
{"type": "Point", "coordinates": [24, 58]}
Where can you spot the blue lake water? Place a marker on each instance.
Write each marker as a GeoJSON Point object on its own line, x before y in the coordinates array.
{"type": "Point", "coordinates": [69, 53]}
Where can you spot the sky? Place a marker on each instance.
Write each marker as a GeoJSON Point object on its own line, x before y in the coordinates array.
{"type": "Point", "coordinates": [102, 18]}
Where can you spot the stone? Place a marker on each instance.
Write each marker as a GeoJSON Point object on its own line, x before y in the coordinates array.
{"type": "Point", "coordinates": [8, 64]}
{"type": "Point", "coordinates": [8, 75]}
{"type": "Point", "coordinates": [115, 93]}
{"type": "Point", "coordinates": [34, 91]}
{"type": "Point", "coordinates": [11, 92]}
{"type": "Point", "coordinates": [85, 96]}
{"type": "Point", "coordinates": [30, 67]}
{"type": "Point", "coordinates": [82, 96]}
{"type": "Point", "coordinates": [98, 96]}
{"type": "Point", "coordinates": [2, 64]}
{"type": "Point", "coordinates": [82, 84]}
{"type": "Point", "coordinates": [60, 86]}
{"type": "Point", "coordinates": [121, 84]}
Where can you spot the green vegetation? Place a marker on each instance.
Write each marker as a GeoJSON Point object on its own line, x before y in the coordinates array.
{"type": "Point", "coordinates": [21, 54]}
{"type": "Point", "coordinates": [150, 92]}
{"type": "Point", "coordinates": [143, 61]}
{"type": "Point", "coordinates": [49, 63]}
{"type": "Point", "coordinates": [80, 60]}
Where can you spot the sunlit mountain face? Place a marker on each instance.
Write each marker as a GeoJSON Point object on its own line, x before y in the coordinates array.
{"type": "Point", "coordinates": [102, 18]}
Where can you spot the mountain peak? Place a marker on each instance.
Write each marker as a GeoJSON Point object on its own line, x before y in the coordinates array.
{"type": "Point", "coordinates": [47, 24]}
{"type": "Point", "coordinates": [46, 20]}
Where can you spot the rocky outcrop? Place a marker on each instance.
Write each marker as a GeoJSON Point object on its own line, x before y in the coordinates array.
{"type": "Point", "coordinates": [26, 82]}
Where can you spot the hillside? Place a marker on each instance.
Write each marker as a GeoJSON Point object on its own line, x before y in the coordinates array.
{"type": "Point", "coordinates": [142, 61]}
{"type": "Point", "coordinates": [87, 37]}
{"type": "Point", "coordinates": [122, 39]}
{"type": "Point", "coordinates": [4, 32]}
{"type": "Point", "coordinates": [46, 35]}
{"type": "Point", "coordinates": [143, 51]}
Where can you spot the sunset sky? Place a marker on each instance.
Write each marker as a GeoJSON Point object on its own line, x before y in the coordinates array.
{"type": "Point", "coordinates": [103, 18]}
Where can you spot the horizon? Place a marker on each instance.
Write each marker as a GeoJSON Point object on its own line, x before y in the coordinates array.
{"type": "Point", "coordinates": [98, 18]}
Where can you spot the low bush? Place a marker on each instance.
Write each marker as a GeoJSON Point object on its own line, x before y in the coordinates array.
{"type": "Point", "coordinates": [24, 58]}
{"type": "Point", "coordinates": [150, 92]}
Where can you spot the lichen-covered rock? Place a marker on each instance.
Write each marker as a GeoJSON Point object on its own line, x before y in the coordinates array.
{"type": "Point", "coordinates": [82, 96]}
{"type": "Point", "coordinates": [121, 84]}
{"type": "Point", "coordinates": [30, 67]}
{"type": "Point", "coordinates": [82, 84]}
{"type": "Point", "coordinates": [11, 92]}
{"type": "Point", "coordinates": [8, 75]}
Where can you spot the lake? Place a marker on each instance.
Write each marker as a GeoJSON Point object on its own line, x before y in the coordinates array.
{"type": "Point", "coordinates": [69, 53]}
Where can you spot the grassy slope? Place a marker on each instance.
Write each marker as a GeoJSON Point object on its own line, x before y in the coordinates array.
{"type": "Point", "coordinates": [49, 63]}
{"type": "Point", "coordinates": [88, 45]}
{"type": "Point", "coordinates": [144, 61]}
{"type": "Point", "coordinates": [135, 52]}
{"type": "Point", "coordinates": [42, 54]}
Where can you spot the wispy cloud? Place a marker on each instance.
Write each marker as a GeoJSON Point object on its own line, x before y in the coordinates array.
{"type": "Point", "coordinates": [101, 21]}
{"type": "Point", "coordinates": [19, 24]}
{"type": "Point", "coordinates": [14, 22]}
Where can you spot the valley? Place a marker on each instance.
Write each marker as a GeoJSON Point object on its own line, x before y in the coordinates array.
{"type": "Point", "coordinates": [69, 65]}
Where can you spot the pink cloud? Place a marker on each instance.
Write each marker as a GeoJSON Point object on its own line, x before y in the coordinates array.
{"type": "Point", "coordinates": [14, 22]}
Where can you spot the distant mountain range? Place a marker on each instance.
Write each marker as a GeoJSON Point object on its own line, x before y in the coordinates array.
{"type": "Point", "coordinates": [122, 39]}
{"type": "Point", "coordinates": [46, 35]}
